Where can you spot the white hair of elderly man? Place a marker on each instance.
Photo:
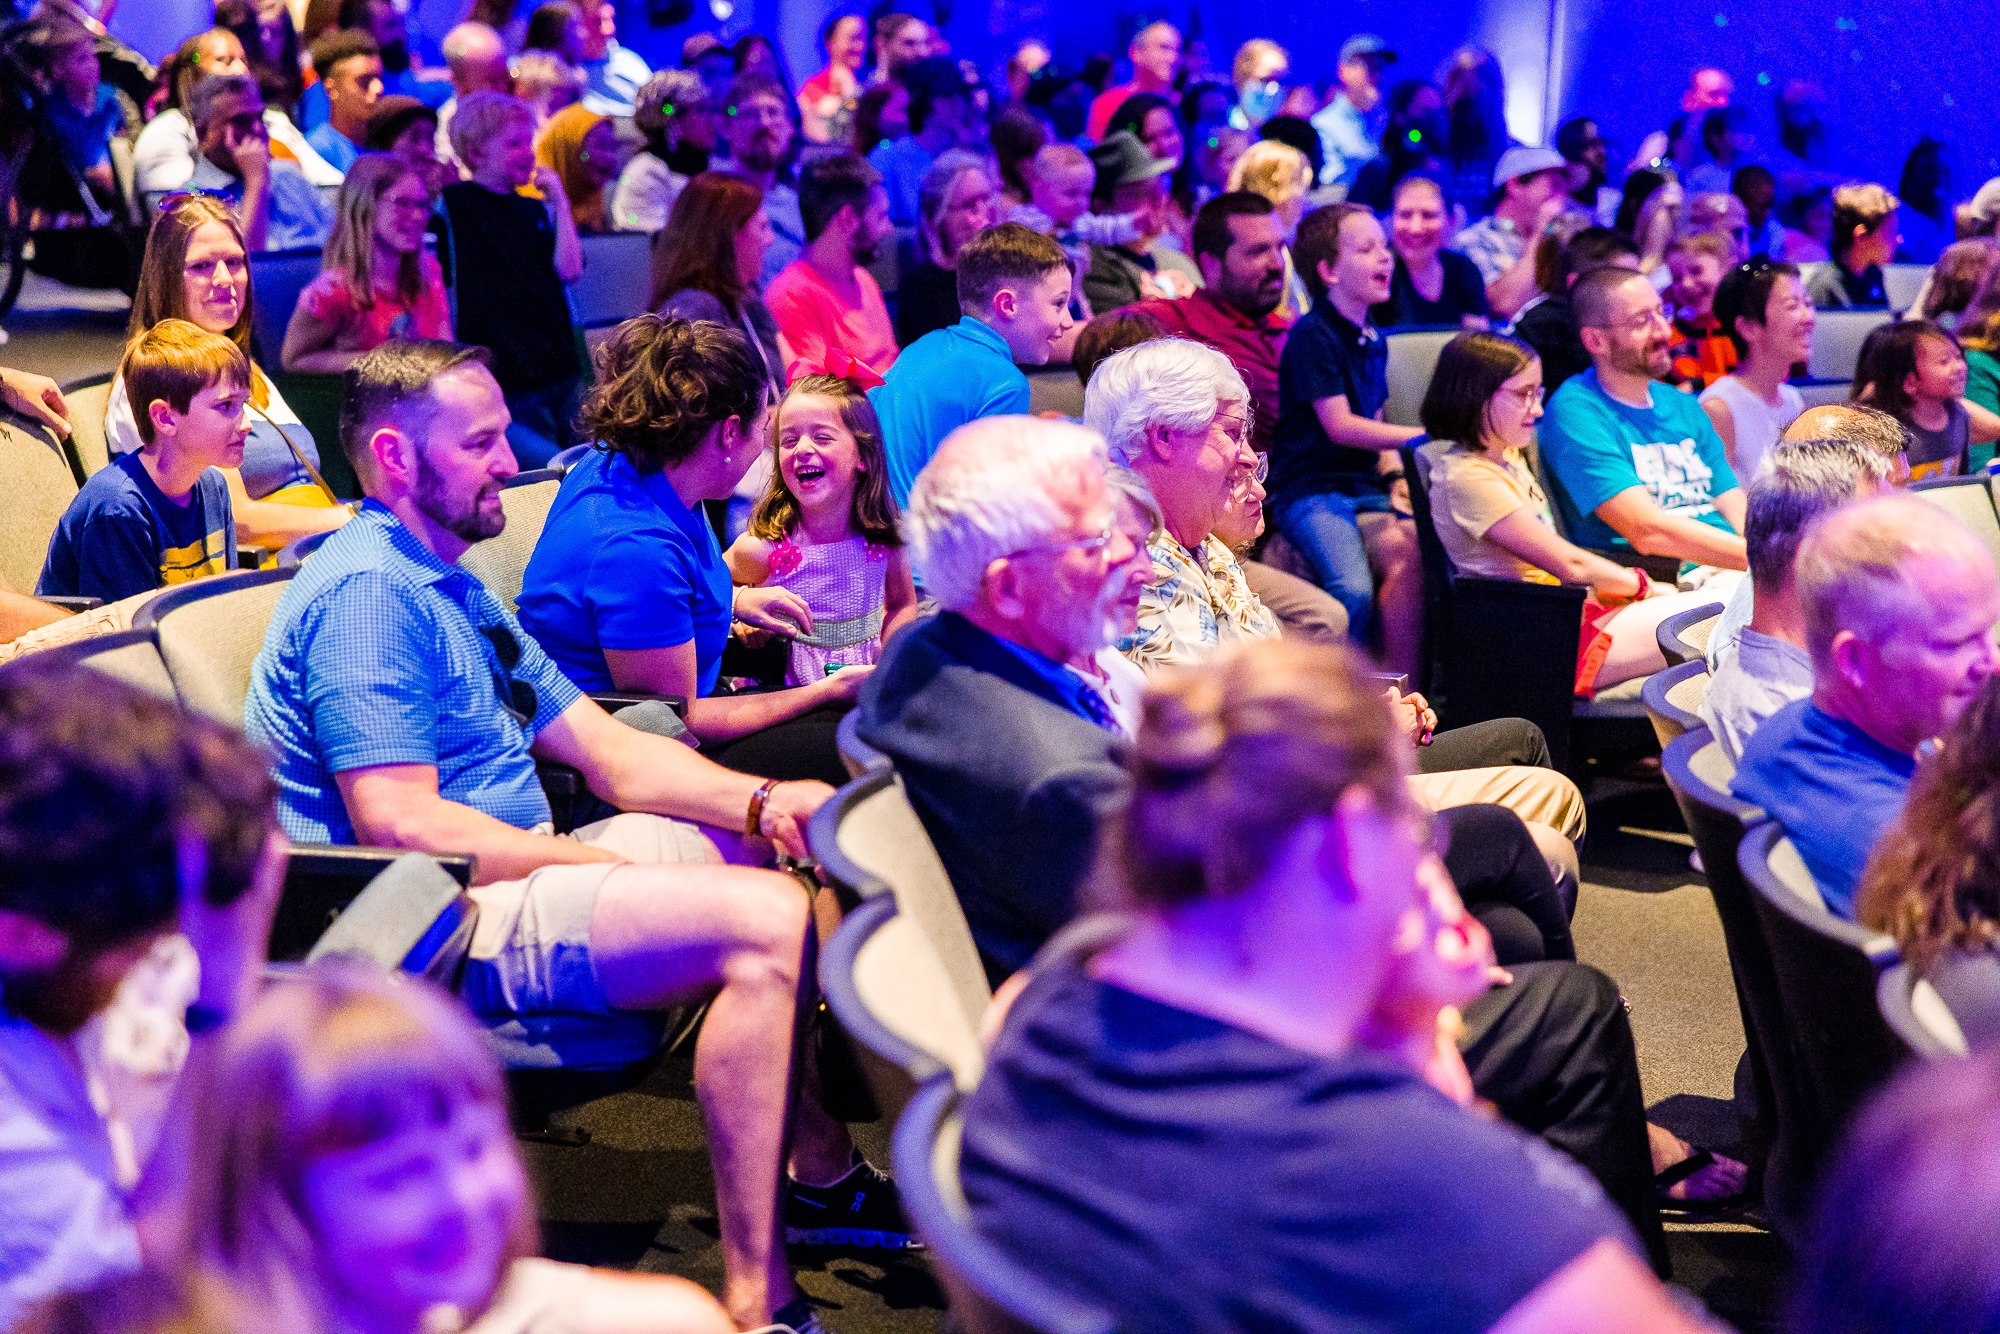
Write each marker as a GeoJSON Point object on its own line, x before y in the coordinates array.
{"type": "Point", "coordinates": [1173, 382]}
{"type": "Point", "coordinates": [995, 487]}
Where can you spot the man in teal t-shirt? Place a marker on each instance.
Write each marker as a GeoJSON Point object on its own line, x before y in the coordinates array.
{"type": "Point", "coordinates": [1636, 463]}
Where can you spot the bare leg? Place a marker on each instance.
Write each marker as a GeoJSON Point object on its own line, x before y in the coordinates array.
{"type": "Point", "coordinates": [666, 934]}
{"type": "Point", "coordinates": [1399, 593]}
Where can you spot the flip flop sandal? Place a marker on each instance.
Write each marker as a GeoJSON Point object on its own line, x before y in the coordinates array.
{"type": "Point", "coordinates": [1698, 1161]}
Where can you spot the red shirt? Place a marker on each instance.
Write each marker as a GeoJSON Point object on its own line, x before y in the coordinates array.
{"type": "Point", "coordinates": [1252, 346]}
{"type": "Point", "coordinates": [815, 321]}
{"type": "Point", "coordinates": [1103, 105]}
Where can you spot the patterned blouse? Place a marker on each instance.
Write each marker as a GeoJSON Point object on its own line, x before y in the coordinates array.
{"type": "Point", "coordinates": [1196, 602]}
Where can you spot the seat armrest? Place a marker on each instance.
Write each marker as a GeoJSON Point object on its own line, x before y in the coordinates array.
{"type": "Point", "coordinates": [611, 701]}
{"type": "Point", "coordinates": [322, 878]}
{"type": "Point", "coordinates": [74, 604]}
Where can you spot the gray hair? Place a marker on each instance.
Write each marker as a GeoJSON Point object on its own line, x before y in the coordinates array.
{"type": "Point", "coordinates": [201, 101]}
{"type": "Point", "coordinates": [1803, 480]}
{"type": "Point", "coordinates": [997, 486]}
{"type": "Point", "coordinates": [1174, 382]}
{"type": "Point", "coordinates": [664, 96]}
{"type": "Point", "coordinates": [1131, 487]}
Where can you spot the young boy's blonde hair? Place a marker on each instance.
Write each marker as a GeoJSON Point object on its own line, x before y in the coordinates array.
{"type": "Point", "coordinates": [481, 116]}
{"type": "Point", "coordinates": [1054, 161]}
{"type": "Point", "coordinates": [172, 362]}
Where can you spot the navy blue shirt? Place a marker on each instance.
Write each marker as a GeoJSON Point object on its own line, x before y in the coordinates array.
{"type": "Point", "coordinates": [624, 564]}
{"type": "Point", "coordinates": [1463, 293]}
{"type": "Point", "coordinates": [1326, 356]}
{"type": "Point", "coordinates": [1192, 1176]}
{"type": "Point", "coordinates": [1834, 788]}
{"type": "Point", "coordinates": [381, 653]}
{"type": "Point", "coordinates": [122, 536]}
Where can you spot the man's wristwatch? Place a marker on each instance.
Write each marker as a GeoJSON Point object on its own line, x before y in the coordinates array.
{"type": "Point", "coordinates": [753, 823]}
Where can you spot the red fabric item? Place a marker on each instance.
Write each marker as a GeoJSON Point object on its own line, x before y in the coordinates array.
{"type": "Point", "coordinates": [1252, 346]}
{"type": "Point", "coordinates": [840, 365]}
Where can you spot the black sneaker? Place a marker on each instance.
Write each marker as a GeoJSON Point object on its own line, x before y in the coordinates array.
{"type": "Point", "coordinates": [860, 1209]}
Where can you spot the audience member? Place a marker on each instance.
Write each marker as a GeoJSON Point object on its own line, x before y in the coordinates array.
{"type": "Point", "coordinates": [1476, 136]}
{"type": "Point", "coordinates": [81, 113]}
{"type": "Point", "coordinates": [1016, 135]}
{"type": "Point", "coordinates": [1281, 174]}
{"type": "Point", "coordinates": [160, 516]}
{"type": "Point", "coordinates": [613, 74]}
{"type": "Point", "coordinates": [1350, 125]}
{"type": "Point", "coordinates": [195, 269]}
{"type": "Point", "coordinates": [1258, 73]}
{"type": "Point", "coordinates": [1722, 213]}
{"type": "Point", "coordinates": [555, 27]}
{"type": "Point", "coordinates": [881, 114]}
{"type": "Point", "coordinates": [164, 827]}
{"type": "Point", "coordinates": [826, 302]}
{"type": "Point", "coordinates": [1725, 143]}
{"type": "Point", "coordinates": [1957, 277]}
{"type": "Point", "coordinates": [900, 42]}
{"type": "Point", "coordinates": [1703, 351]}
{"type": "Point", "coordinates": [163, 156]}
{"type": "Point", "coordinates": [1130, 181]}
{"type": "Point", "coordinates": [1333, 458]}
{"type": "Point", "coordinates": [941, 118]}
{"type": "Point", "coordinates": [1431, 285]}
{"type": "Point", "coordinates": [955, 204]}
{"type": "Point", "coordinates": [1979, 337]}
{"type": "Point", "coordinates": [318, 1193]}
{"type": "Point", "coordinates": [1411, 142]}
{"type": "Point", "coordinates": [1638, 467]}
{"type": "Point", "coordinates": [1013, 290]}
{"type": "Point", "coordinates": [1155, 53]}
{"type": "Point", "coordinates": [269, 39]}
{"type": "Point", "coordinates": [278, 208]}
{"type": "Point", "coordinates": [1150, 118]}
{"type": "Point", "coordinates": [1479, 414]}
{"type": "Point", "coordinates": [825, 530]}
{"type": "Point", "coordinates": [1925, 219]}
{"type": "Point", "coordinates": [1583, 146]}
{"type": "Point", "coordinates": [1548, 322]}
{"type": "Point", "coordinates": [1763, 309]}
{"type": "Point", "coordinates": [401, 702]}
{"type": "Point", "coordinates": [1865, 236]}
{"type": "Point", "coordinates": [1649, 217]}
{"type": "Point", "coordinates": [406, 129]}
{"type": "Point", "coordinates": [512, 255]}
{"type": "Point", "coordinates": [1061, 180]}
{"type": "Point", "coordinates": [1308, 720]}
{"type": "Point", "coordinates": [826, 100]}
{"type": "Point", "coordinates": [581, 148]}
{"type": "Point", "coordinates": [758, 55]}
{"type": "Point", "coordinates": [707, 56]}
{"type": "Point", "coordinates": [476, 57]}
{"type": "Point", "coordinates": [628, 589]}
{"type": "Point", "coordinates": [706, 264]}
{"type": "Point", "coordinates": [757, 127]}
{"type": "Point", "coordinates": [349, 66]}
{"type": "Point", "coordinates": [1899, 603]}
{"type": "Point", "coordinates": [378, 281]}
{"type": "Point", "coordinates": [674, 115]}
{"type": "Point", "coordinates": [1769, 667]}
{"type": "Point", "coordinates": [1757, 188]}
{"type": "Point", "coordinates": [1913, 370]}
{"type": "Point", "coordinates": [1110, 334]}
{"type": "Point", "coordinates": [1530, 186]}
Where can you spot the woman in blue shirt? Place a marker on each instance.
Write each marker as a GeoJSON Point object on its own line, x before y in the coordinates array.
{"type": "Point", "coordinates": [628, 588]}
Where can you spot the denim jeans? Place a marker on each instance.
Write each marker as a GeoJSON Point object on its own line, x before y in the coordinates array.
{"type": "Point", "coordinates": [1323, 528]}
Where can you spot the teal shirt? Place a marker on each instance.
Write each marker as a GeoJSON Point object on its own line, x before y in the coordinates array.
{"type": "Point", "coordinates": [939, 383]}
{"type": "Point", "coordinates": [1596, 447]}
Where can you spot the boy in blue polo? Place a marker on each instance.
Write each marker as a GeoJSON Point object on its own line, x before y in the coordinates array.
{"type": "Point", "coordinates": [161, 515]}
{"type": "Point", "coordinates": [1013, 288]}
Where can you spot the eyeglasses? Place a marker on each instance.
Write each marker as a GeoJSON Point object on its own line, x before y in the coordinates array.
{"type": "Point", "coordinates": [1097, 545]}
{"type": "Point", "coordinates": [518, 699]}
{"type": "Point", "coordinates": [1539, 394]}
{"type": "Point", "coordinates": [1237, 429]}
{"type": "Point", "coordinates": [1256, 473]}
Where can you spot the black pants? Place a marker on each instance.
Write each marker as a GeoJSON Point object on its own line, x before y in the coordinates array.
{"type": "Point", "coordinates": [1553, 1051]}
{"type": "Point", "coordinates": [801, 747]}
{"type": "Point", "coordinates": [1485, 745]}
{"type": "Point", "coordinates": [1505, 883]}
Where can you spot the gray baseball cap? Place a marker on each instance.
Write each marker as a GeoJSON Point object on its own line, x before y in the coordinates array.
{"type": "Point", "coordinates": [1521, 160]}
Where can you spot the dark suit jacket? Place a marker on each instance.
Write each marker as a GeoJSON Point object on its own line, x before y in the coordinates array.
{"type": "Point", "coordinates": [1010, 783]}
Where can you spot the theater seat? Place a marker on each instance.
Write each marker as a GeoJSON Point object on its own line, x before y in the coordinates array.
{"type": "Point", "coordinates": [38, 487]}
{"type": "Point", "coordinates": [1970, 501]}
{"type": "Point", "coordinates": [88, 400]}
{"type": "Point", "coordinates": [501, 563]}
{"type": "Point", "coordinates": [210, 633]}
{"type": "Point", "coordinates": [1673, 699]}
{"type": "Point", "coordinates": [1684, 637]}
{"type": "Point", "coordinates": [1917, 1015]}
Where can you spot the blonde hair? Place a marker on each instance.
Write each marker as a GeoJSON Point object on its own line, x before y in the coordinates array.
{"type": "Point", "coordinates": [1235, 754]}
{"type": "Point", "coordinates": [1713, 244]}
{"type": "Point", "coordinates": [1253, 53]}
{"type": "Point", "coordinates": [482, 115]}
{"type": "Point", "coordinates": [350, 251]}
{"type": "Point", "coordinates": [1054, 160]}
{"type": "Point", "coordinates": [339, 1057]}
{"type": "Point", "coordinates": [171, 363]}
{"type": "Point", "coordinates": [1276, 171]}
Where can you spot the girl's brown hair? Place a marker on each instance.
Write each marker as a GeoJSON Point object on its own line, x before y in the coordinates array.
{"type": "Point", "coordinates": [1232, 756]}
{"type": "Point", "coordinates": [1961, 271]}
{"type": "Point", "coordinates": [1934, 880]}
{"type": "Point", "coordinates": [1888, 358]}
{"type": "Point", "coordinates": [350, 251]}
{"type": "Point", "coordinates": [1470, 370]}
{"type": "Point", "coordinates": [162, 290]}
{"type": "Point", "coordinates": [697, 247]}
{"type": "Point", "coordinates": [777, 513]}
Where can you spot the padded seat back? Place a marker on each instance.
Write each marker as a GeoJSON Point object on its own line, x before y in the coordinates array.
{"type": "Point", "coordinates": [277, 277]}
{"type": "Point", "coordinates": [1837, 339]}
{"type": "Point", "coordinates": [1673, 699]}
{"type": "Point", "coordinates": [132, 656]}
{"type": "Point", "coordinates": [1684, 637]}
{"type": "Point", "coordinates": [1917, 1015]}
{"type": "Point", "coordinates": [36, 486]}
{"type": "Point", "coordinates": [856, 754]}
{"type": "Point", "coordinates": [616, 280]}
{"type": "Point", "coordinates": [501, 563]}
{"type": "Point", "coordinates": [1902, 282]}
{"type": "Point", "coordinates": [89, 400]}
{"type": "Point", "coordinates": [1413, 356]}
{"type": "Point", "coordinates": [1970, 501]}
{"type": "Point", "coordinates": [210, 633]}
{"type": "Point", "coordinates": [1814, 393]}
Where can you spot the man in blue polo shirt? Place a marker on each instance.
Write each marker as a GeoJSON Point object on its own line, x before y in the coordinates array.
{"type": "Point", "coordinates": [1900, 602]}
{"type": "Point", "coordinates": [1014, 289]}
{"type": "Point", "coordinates": [404, 705]}
{"type": "Point", "coordinates": [1637, 465]}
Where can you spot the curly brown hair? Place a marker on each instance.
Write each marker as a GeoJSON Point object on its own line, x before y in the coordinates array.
{"type": "Point", "coordinates": [663, 385]}
{"type": "Point", "coordinates": [874, 515]}
{"type": "Point", "coordinates": [1934, 880]}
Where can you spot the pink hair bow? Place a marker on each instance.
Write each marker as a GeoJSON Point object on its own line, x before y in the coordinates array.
{"type": "Point", "coordinates": [840, 365]}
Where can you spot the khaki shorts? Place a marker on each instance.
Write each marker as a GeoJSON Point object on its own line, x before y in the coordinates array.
{"type": "Point", "coordinates": [531, 946]}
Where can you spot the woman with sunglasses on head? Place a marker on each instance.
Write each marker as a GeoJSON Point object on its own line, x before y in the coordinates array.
{"type": "Point", "coordinates": [1494, 521]}
{"type": "Point", "coordinates": [1764, 310]}
{"type": "Point", "coordinates": [196, 269]}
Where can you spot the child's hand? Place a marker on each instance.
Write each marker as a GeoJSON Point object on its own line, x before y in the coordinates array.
{"type": "Point", "coordinates": [779, 610]}
{"type": "Point", "coordinates": [252, 151]}
{"type": "Point", "coordinates": [545, 179]}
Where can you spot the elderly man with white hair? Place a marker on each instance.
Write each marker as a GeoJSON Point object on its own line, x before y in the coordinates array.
{"type": "Point", "coordinates": [1899, 602]}
{"type": "Point", "coordinates": [1174, 412]}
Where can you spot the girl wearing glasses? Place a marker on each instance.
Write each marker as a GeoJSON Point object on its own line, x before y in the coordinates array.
{"type": "Point", "coordinates": [378, 282]}
{"type": "Point", "coordinates": [1495, 522]}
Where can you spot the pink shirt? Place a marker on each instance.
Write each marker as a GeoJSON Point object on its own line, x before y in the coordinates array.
{"type": "Point", "coordinates": [358, 329]}
{"type": "Point", "coordinates": [815, 321]}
